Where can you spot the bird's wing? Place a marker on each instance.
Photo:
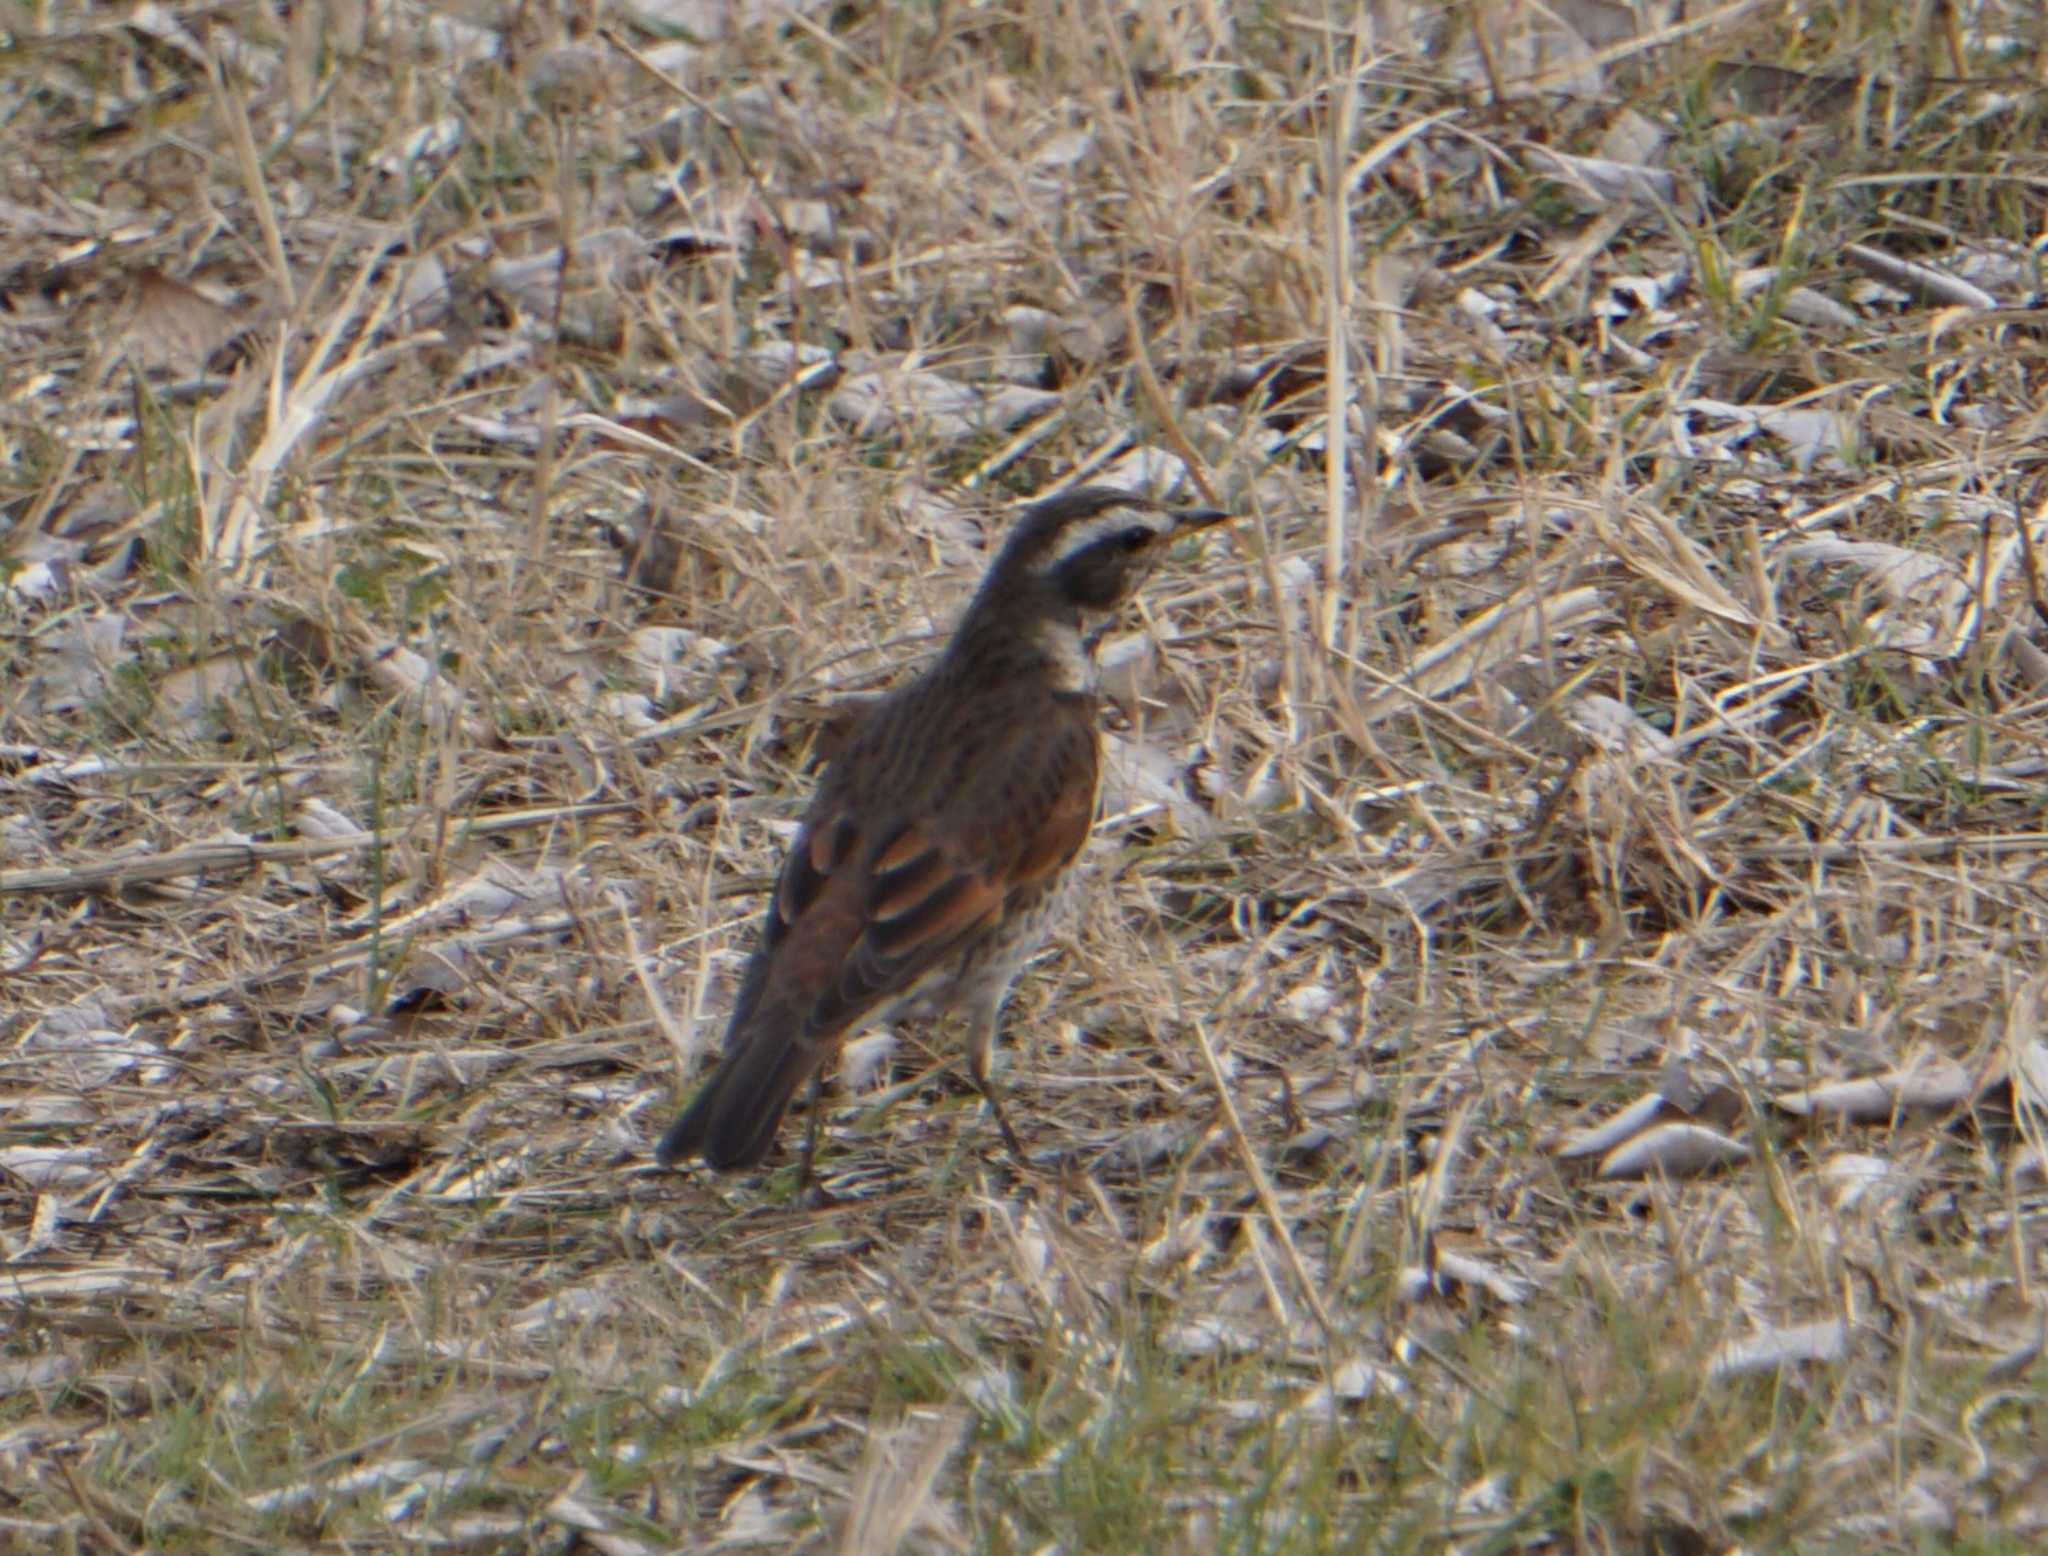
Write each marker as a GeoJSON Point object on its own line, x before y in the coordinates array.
{"type": "Point", "coordinates": [888, 875]}
{"type": "Point", "coordinates": [875, 893]}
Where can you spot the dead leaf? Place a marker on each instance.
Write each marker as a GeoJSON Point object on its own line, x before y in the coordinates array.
{"type": "Point", "coordinates": [1673, 1150]}
{"type": "Point", "coordinates": [174, 327]}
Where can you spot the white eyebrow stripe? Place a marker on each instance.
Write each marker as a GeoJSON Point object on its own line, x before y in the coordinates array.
{"type": "Point", "coordinates": [1111, 521]}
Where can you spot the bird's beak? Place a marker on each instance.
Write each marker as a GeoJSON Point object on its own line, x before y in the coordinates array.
{"type": "Point", "coordinates": [1187, 520]}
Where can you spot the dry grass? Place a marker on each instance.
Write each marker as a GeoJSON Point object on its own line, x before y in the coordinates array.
{"type": "Point", "coordinates": [454, 463]}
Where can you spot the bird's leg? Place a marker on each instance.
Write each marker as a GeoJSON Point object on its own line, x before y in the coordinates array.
{"type": "Point", "coordinates": [804, 1181]}
{"type": "Point", "coordinates": [981, 1046]}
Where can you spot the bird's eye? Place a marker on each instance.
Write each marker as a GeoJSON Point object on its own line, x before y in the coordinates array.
{"type": "Point", "coordinates": [1135, 538]}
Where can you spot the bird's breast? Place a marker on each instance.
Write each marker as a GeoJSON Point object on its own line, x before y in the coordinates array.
{"type": "Point", "coordinates": [1069, 667]}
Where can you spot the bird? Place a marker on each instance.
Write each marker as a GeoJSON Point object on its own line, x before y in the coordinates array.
{"type": "Point", "coordinates": [939, 846]}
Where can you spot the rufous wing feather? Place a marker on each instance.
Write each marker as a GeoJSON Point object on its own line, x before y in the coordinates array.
{"type": "Point", "coordinates": [868, 903]}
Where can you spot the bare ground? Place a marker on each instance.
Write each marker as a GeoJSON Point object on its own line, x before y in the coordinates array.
{"type": "Point", "coordinates": [1553, 1059]}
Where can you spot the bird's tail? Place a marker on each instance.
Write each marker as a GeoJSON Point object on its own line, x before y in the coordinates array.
{"type": "Point", "coordinates": [731, 1122]}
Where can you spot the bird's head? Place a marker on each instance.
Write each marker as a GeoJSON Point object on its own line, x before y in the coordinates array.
{"type": "Point", "coordinates": [1070, 564]}
{"type": "Point", "coordinates": [1084, 554]}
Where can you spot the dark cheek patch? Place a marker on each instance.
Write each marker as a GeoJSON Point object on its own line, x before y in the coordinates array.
{"type": "Point", "coordinates": [1098, 584]}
